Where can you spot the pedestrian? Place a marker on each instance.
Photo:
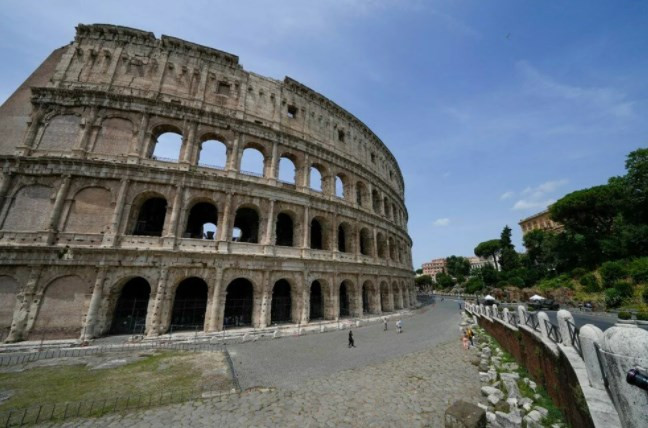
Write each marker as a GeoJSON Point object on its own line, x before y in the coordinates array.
{"type": "Point", "coordinates": [470, 334]}
{"type": "Point", "coordinates": [385, 323]}
{"type": "Point", "coordinates": [459, 305]}
{"type": "Point", "coordinates": [351, 342]}
{"type": "Point", "coordinates": [399, 326]}
{"type": "Point", "coordinates": [464, 340]}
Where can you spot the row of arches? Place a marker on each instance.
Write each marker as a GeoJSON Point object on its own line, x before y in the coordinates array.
{"type": "Point", "coordinates": [130, 305]}
{"type": "Point", "coordinates": [210, 150]}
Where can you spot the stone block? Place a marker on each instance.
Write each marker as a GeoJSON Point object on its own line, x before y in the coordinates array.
{"type": "Point", "coordinates": [462, 414]}
{"type": "Point", "coordinates": [508, 420]}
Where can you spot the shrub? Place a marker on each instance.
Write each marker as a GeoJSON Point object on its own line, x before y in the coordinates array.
{"type": "Point", "coordinates": [516, 281]}
{"type": "Point", "coordinates": [624, 315]}
{"type": "Point", "coordinates": [638, 270]}
{"type": "Point", "coordinates": [578, 272]}
{"type": "Point", "coordinates": [624, 288]}
{"type": "Point", "coordinates": [642, 316]}
{"type": "Point", "coordinates": [611, 272]}
{"type": "Point", "coordinates": [644, 295]}
{"type": "Point", "coordinates": [590, 282]}
{"type": "Point", "coordinates": [612, 298]}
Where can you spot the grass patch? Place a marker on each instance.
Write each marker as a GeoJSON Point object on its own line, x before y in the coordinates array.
{"type": "Point", "coordinates": [148, 373]}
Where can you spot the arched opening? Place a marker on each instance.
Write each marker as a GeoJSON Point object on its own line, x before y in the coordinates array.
{"type": "Point", "coordinates": [167, 146]}
{"type": "Point", "coordinates": [387, 206]}
{"type": "Point", "coordinates": [394, 211]}
{"type": "Point", "coordinates": [345, 240]}
{"type": "Point", "coordinates": [362, 195]}
{"type": "Point", "coordinates": [129, 316]}
{"type": "Point", "coordinates": [339, 187]}
{"type": "Point", "coordinates": [238, 304]}
{"type": "Point", "coordinates": [366, 242]}
{"type": "Point", "coordinates": [392, 249]}
{"type": "Point", "coordinates": [385, 301]}
{"type": "Point", "coordinates": [190, 305]}
{"type": "Point", "coordinates": [316, 302]}
{"type": "Point", "coordinates": [316, 178]}
{"type": "Point", "coordinates": [202, 221]}
{"type": "Point", "coordinates": [365, 298]}
{"type": "Point", "coordinates": [344, 300]}
{"type": "Point", "coordinates": [317, 235]}
{"type": "Point", "coordinates": [375, 199]}
{"type": "Point", "coordinates": [252, 162]}
{"type": "Point", "coordinates": [150, 220]}
{"type": "Point", "coordinates": [398, 302]}
{"type": "Point", "coordinates": [287, 171]}
{"type": "Point", "coordinates": [8, 292]}
{"type": "Point", "coordinates": [280, 311]}
{"type": "Point", "coordinates": [382, 245]}
{"type": "Point", "coordinates": [212, 154]}
{"type": "Point", "coordinates": [247, 221]}
{"type": "Point", "coordinates": [284, 230]}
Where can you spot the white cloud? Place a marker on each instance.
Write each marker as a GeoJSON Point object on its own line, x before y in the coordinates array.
{"type": "Point", "coordinates": [441, 222]}
{"type": "Point", "coordinates": [507, 195]}
{"type": "Point", "coordinates": [537, 198]}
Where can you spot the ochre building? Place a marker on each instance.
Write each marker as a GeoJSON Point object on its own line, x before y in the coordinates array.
{"type": "Point", "coordinates": [540, 221]}
{"type": "Point", "coordinates": [103, 232]}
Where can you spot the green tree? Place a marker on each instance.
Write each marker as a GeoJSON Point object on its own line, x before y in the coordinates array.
{"type": "Point", "coordinates": [444, 280]}
{"type": "Point", "coordinates": [509, 258]}
{"type": "Point", "coordinates": [457, 266]}
{"type": "Point", "coordinates": [423, 281]}
{"type": "Point", "coordinates": [419, 271]}
{"type": "Point", "coordinates": [489, 249]}
{"type": "Point", "coordinates": [487, 274]}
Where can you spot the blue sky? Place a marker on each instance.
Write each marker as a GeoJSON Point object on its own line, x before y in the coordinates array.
{"type": "Point", "coordinates": [493, 109]}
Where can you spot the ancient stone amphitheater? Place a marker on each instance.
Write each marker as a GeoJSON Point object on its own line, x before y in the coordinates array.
{"type": "Point", "coordinates": [126, 207]}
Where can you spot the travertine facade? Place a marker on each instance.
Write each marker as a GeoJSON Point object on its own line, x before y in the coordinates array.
{"type": "Point", "coordinates": [540, 221]}
{"type": "Point", "coordinates": [99, 234]}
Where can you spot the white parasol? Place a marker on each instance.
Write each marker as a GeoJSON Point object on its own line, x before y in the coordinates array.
{"type": "Point", "coordinates": [536, 297]}
{"type": "Point", "coordinates": [489, 297]}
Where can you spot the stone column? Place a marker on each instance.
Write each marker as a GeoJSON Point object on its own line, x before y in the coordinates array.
{"type": "Point", "coordinates": [264, 302]}
{"type": "Point", "coordinates": [4, 188]}
{"type": "Point", "coordinates": [215, 323]}
{"type": "Point", "coordinates": [224, 233]}
{"type": "Point", "coordinates": [270, 225]}
{"type": "Point", "coordinates": [143, 140]}
{"type": "Point", "coordinates": [189, 145]}
{"type": "Point", "coordinates": [233, 160]}
{"type": "Point", "coordinates": [274, 162]}
{"type": "Point", "coordinates": [89, 330]}
{"type": "Point", "coordinates": [23, 305]}
{"type": "Point", "coordinates": [172, 231]}
{"type": "Point", "coordinates": [34, 125]}
{"type": "Point", "coordinates": [154, 320]}
{"type": "Point", "coordinates": [305, 297]}
{"type": "Point", "coordinates": [88, 127]}
{"type": "Point", "coordinates": [305, 183]}
{"type": "Point", "coordinates": [55, 217]}
{"type": "Point", "coordinates": [306, 228]}
{"type": "Point", "coordinates": [110, 238]}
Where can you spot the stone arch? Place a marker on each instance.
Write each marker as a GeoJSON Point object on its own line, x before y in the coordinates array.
{"type": "Point", "coordinates": [212, 151]}
{"type": "Point", "coordinates": [386, 297]}
{"type": "Point", "coordinates": [91, 211]}
{"type": "Point", "coordinates": [166, 143]}
{"type": "Point", "coordinates": [8, 293]}
{"type": "Point", "coordinates": [287, 168]}
{"type": "Point", "coordinates": [375, 201]}
{"type": "Point", "coordinates": [202, 220]}
{"type": "Point", "coordinates": [344, 298]}
{"type": "Point", "coordinates": [381, 245]}
{"type": "Point", "coordinates": [60, 313]}
{"type": "Point", "coordinates": [283, 304]}
{"type": "Point", "coordinates": [61, 133]}
{"type": "Point", "coordinates": [317, 301]}
{"type": "Point", "coordinates": [366, 242]}
{"type": "Point", "coordinates": [386, 207]}
{"type": "Point", "coordinates": [247, 220]}
{"type": "Point", "coordinates": [285, 229]}
{"type": "Point", "coordinates": [30, 209]}
{"type": "Point", "coordinates": [148, 214]}
{"type": "Point", "coordinates": [239, 303]}
{"type": "Point", "coordinates": [394, 211]}
{"type": "Point", "coordinates": [130, 299]}
{"type": "Point", "coordinates": [317, 180]}
{"type": "Point", "coordinates": [254, 159]}
{"type": "Point", "coordinates": [115, 137]}
{"type": "Point", "coordinates": [397, 297]}
{"type": "Point", "coordinates": [370, 298]}
{"type": "Point", "coordinates": [342, 186]}
{"type": "Point", "coordinates": [392, 248]}
{"type": "Point", "coordinates": [189, 305]}
{"type": "Point", "coordinates": [319, 234]}
{"type": "Point", "coordinates": [362, 194]}
{"type": "Point", "coordinates": [345, 241]}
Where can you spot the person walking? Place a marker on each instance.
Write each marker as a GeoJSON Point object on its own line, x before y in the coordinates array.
{"type": "Point", "coordinates": [470, 334]}
{"type": "Point", "coordinates": [385, 323]}
{"type": "Point", "coordinates": [464, 340]}
{"type": "Point", "coordinates": [399, 326]}
{"type": "Point", "coordinates": [351, 341]}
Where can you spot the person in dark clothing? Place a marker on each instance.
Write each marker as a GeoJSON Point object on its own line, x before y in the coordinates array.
{"type": "Point", "coordinates": [351, 342]}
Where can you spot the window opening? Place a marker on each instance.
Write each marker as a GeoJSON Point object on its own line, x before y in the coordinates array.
{"type": "Point", "coordinates": [365, 299]}
{"type": "Point", "coordinates": [189, 306]}
{"type": "Point", "coordinates": [287, 171]}
{"type": "Point", "coordinates": [339, 187]}
{"type": "Point", "coordinates": [280, 311]}
{"type": "Point", "coordinates": [316, 179]}
{"type": "Point", "coordinates": [150, 220]}
{"type": "Point", "coordinates": [202, 221]}
{"type": "Point", "coordinates": [129, 316]}
{"type": "Point", "coordinates": [342, 247]}
{"type": "Point", "coordinates": [284, 230]}
{"type": "Point", "coordinates": [316, 302]}
{"type": "Point", "coordinates": [247, 220]}
{"type": "Point", "coordinates": [238, 304]}
{"type": "Point", "coordinates": [252, 162]}
{"type": "Point", "coordinates": [213, 154]}
{"type": "Point", "coordinates": [223, 88]}
{"type": "Point", "coordinates": [344, 300]}
{"type": "Point", "coordinates": [167, 147]}
{"type": "Point", "coordinates": [316, 235]}
{"type": "Point", "coordinates": [292, 111]}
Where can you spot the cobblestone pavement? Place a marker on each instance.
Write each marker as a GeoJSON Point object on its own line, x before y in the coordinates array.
{"type": "Point", "coordinates": [406, 389]}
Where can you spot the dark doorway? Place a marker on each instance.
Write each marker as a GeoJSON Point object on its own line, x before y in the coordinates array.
{"type": "Point", "coordinates": [316, 235]}
{"type": "Point", "coordinates": [384, 297]}
{"type": "Point", "coordinates": [150, 220]}
{"type": "Point", "coordinates": [238, 304]}
{"type": "Point", "coordinates": [201, 214]}
{"type": "Point", "coordinates": [365, 299]}
{"type": "Point", "coordinates": [189, 306]}
{"type": "Point", "coordinates": [342, 239]}
{"type": "Point", "coordinates": [281, 303]}
{"type": "Point", "coordinates": [284, 230]}
{"type": "Point", "coordinates": [247, 220]}
{"type": "Point", "coordinates": [344, 301]}
{"type": "Point", "coordinates": [316, 302]}
{"type": "Point", "coordinates": [130, 312]}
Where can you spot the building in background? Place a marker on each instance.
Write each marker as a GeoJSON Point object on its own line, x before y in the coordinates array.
{"type": "Point", "coordinates": [434, 266]}
{"type": "Point", "coordinates": [478, 262]}
{"type": "Point", "coordinates": [541, 221]}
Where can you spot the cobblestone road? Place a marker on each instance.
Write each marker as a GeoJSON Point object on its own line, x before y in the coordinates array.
{"type": "Point", "coordinates": [403, 385]}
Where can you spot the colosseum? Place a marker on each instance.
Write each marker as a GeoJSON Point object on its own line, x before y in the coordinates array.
{"type": "Point", "coordinates": [126, 205]}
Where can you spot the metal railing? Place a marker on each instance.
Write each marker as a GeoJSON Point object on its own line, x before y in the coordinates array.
{"type": "Point", "coordinates": [27, 357]}
{"type": "Point", "coordinates": [512, 318]}
{"type": "Point", "coordinates": [58, 412]}
{"type": "Point", "coordinates": [255, 174]}
{"type": "Point", "coordinates": [531, 320]}
{"type": "Point", "coordinates": [574, 337]}
{"type": "Point", "coordinates": [553, 332]}
{"type": "Point", "coordinates": [211, 166]}
{"type": "Point", "coordinates": [163, 159]}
